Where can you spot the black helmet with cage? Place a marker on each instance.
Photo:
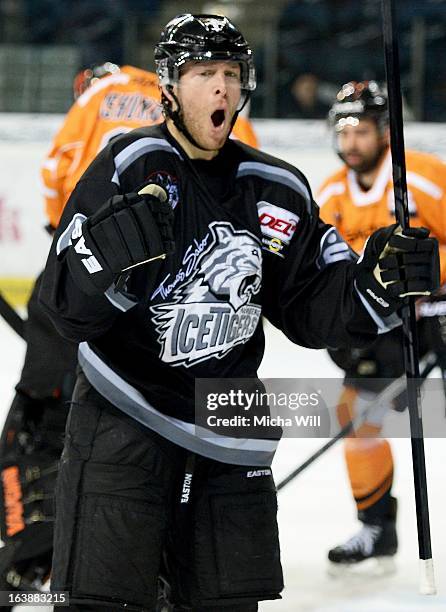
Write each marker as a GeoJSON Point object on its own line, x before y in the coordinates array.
{"type": "Point", "coordinates": [200, 38]}
{"type": "Point", "coordinates": [90, 75]}
{"type": "Point", "coordinates": [359, 100]}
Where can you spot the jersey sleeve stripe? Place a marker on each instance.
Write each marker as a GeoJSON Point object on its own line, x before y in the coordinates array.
{"type": "Point", "coordinates": [425, 185]}
{"type": "Point", "coordinates": [119, 301]}
{"type": "Point", "coordinates": [278, 175]}
{"type": "Point", "coordinates": [329, 191]}
{"type": "Point", "coordinates": [65, 238]}
{"type": "Point", "coordinates": [135, 150]}
{"type": "Point", "coordinates": [103, 83]}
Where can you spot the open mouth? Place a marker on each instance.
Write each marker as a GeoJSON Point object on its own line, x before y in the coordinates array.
{"type": "Point", "coordinates": [218, 117]}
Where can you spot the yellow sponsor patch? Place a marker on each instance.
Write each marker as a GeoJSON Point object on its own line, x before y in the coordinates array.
{"type": "Point", "coordinates": [275, 245]}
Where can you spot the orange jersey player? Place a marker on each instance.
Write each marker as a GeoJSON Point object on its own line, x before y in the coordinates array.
{"type": "Point", "coordinates": [358, 199]}
{"type": "Point", "coordinates": [125, 99]}
{"type": "Point", "coordinates": [244, 131]}
{"type": "Point", "coordinates": [115, 100]}
{"type": "Point", "coordinates": [357, 213]}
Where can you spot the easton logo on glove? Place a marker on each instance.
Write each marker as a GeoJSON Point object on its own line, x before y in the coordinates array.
{"type": "Point", "coordinates": [396, 264]}
{"type": "Point", "coordinates": [127, 231]}
{"type": "Point", "coordinates": [78, 240]}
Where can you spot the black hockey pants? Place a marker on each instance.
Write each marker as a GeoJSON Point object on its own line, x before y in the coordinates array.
{"type": "Point", "coordinates": [126, 513]}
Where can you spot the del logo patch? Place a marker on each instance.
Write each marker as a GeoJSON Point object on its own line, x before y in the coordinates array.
{"type": "Point", "coordinates": [277, 225]}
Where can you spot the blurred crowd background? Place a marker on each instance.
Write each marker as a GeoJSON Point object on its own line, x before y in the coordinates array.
{"type": "Point", "coordinates": [304, 49]}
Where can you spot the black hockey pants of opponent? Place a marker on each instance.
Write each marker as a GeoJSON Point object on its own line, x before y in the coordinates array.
{"type": "Point", "coordinates": [126, 505]}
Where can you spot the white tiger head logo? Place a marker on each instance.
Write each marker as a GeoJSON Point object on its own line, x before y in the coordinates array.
{"type": "Point", "coordinates": [230, 270]}
{"type": "Point", "coordinates": [212, 311]}
{"type": "Point", "coordinates": [233, 267]}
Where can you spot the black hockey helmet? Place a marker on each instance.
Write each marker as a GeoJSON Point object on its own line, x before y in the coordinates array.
{"type": "Point", "coordinates": [90, 75]}
{"type": "Point", "coordinates": [202, 38]}
{"type": "Point", "coordinates": [356, 101]}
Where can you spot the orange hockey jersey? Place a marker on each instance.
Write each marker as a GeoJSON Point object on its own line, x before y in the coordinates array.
{"type": "Point", "coordinates": [357, 213]}
{"type": "Point", "coordinates": [244, 131]}
{"type": "Point", "coordinates": [112, 105]}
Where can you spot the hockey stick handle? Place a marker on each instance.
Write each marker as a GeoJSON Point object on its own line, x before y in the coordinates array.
{"type": "Point", "coordinates": [12, 318]}
{"type": "Point", "coordinates": [408, 312]}
{"type": "Point", "coordinates": [388, 394]}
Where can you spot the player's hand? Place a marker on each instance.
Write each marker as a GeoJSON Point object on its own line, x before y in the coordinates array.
{"type": "Point", "coordinates": [125, 232]}
{"type": "Point", "coordinates": [396, 264]}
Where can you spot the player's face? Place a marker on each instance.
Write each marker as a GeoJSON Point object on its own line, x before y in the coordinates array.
{"type": "Point", "coordinates": [209, 93]}
{"type": "Point", "coordinates": [361, 146]}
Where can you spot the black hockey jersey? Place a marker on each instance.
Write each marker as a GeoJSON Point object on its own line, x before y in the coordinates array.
{"type": "Point", "coordinates": [248, 243]}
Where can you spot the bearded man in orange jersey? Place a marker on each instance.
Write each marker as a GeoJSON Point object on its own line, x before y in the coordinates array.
{"type": "Point", "coordinates": [358, 199]}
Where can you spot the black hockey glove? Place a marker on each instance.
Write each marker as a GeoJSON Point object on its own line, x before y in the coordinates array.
{"type": "Point", "coordinates": [397, 264]}
{"type": "Point", "coordinates": [127, 231]}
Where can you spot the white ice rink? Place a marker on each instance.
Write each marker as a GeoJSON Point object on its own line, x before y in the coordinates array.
{"type": "Point", "coordinates": [316, 510]}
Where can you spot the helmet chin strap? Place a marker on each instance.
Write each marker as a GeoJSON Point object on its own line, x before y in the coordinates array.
{"type": "Point", "coordinates": [177, 117]}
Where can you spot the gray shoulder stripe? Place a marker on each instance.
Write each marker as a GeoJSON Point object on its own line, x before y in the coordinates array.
{"type": "Point", "coordinates": [125, 397]}
{"type": "Point", "coordinates": [135, 150]}
{"type": "Point", "coordinates": [119, 301]}
{"type": "Point", "coordinates": [278, 175]}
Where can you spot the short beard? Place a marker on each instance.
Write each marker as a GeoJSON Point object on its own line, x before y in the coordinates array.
{"type": "Point", "coordinates": [368, 164]}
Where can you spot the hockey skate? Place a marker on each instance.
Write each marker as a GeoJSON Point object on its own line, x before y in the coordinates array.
{"type": "Point", "coordinates": [370, 552]}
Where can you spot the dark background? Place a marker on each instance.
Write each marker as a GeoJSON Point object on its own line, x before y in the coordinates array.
{"type": "Point", "coordinates": [304, 49]}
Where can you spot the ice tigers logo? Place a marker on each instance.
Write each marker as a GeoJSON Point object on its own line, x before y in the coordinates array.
{"type": "Point", "coordinates": [231, 270]}
{"type": "Point", "coordinates": [169, 183]}
{"type": "Point", "coordinates": [212, 312]}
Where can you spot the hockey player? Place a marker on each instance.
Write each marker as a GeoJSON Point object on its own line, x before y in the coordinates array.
{"type": "Point", "coordinates": [358, 199]}
{"type": "Point", "coordinates": [109, 100]}
{"type": "Point", "coordinates": [164, 286]}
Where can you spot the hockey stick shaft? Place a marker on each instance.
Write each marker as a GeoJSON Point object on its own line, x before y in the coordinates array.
{"type": "Point", "coordinates": [387, 395]}
{"type": "Point", "coordinates": [312, 458]}
{"type": "Point", "coordinates": [408, 312]}
{"type": "Point", "coordinates": [12, 318]}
